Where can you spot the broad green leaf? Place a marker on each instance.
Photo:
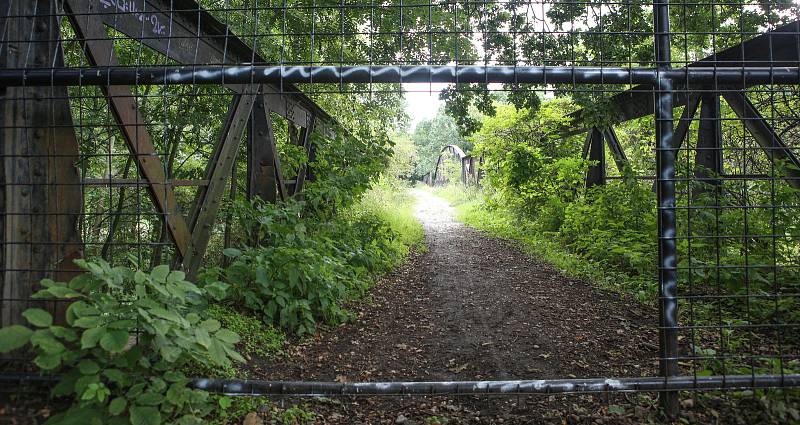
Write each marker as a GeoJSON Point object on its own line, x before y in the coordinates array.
{"type": "Point", "coordinates": [45, 341]}
{"type": "Point", "coordinates": [139, 276]}
{"type": "Point", "coordinates": [88, 367]}
{"type": "Point", "coordinates": [231, 252]}
{"type": "Point", "coordinates": [38, 317]}
{"type": "Point", "coordinates": [202, 337]}
{"type": "Point", "coordinates": [65, 333]}
{"type": "Point", "coordinates": [217, 353]}
{"type": "Point", "coordinates": [90, 337]}
{"type": "Point", "coordinates": [165, 314]}
{"type": "Point", "coordinates": [228, 336]}
{"type": "Point", "coordinates": [62, 292]}
{"type": "Point", "coordinates": [150, 398]}
{"type": "Point", "coordinates": [48, 361]}
{"type": "Point", "coordinates": [159, 273]}
{"type": "Point", "coordinates": [210, 325]}
{"type": "Point", "coordinates": [115, 375]}
{"type": "Point", "coordinates": [13, 337]}
{"type": "Point", "coordinates": [170, 353]}
{"type": "Point", "coordinates": [176, 276]}
{"type": "Point", "coordinates": [117, 406]}
{"type": "Point", "coordinates": [145, 415]}
{"type": "Point", "coordinates": [87, 322]}
{"type": "Point", "coordinates": [114, 340]}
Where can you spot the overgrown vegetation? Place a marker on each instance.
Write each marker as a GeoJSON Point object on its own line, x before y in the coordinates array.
{"type": "Point", "coordinates": [127, 336]}
{"type": "Point", "coordinates": [731, 276]}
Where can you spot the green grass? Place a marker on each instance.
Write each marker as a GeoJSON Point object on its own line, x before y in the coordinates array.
{"type": "Point", "coordinates": [257, 338]}
{"type": "Point", "coordinates": [394, 204]}
{"type": "Point", "coordinates": [499, 222]}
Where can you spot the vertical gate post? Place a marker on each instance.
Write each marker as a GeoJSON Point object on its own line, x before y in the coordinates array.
{"type": "Point", "coordinates": [667, 232]}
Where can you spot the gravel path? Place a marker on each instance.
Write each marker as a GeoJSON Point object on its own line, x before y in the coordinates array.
{"type": "Point", "coordinates": [475, 307]}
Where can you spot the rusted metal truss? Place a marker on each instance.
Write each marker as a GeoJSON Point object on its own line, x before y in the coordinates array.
{"type": "Point", "coordinates": [777, 48]}
{"type": "Point", "coordinates": [43, 194]}
{"type": "Point", "coordinates": [470, 168]}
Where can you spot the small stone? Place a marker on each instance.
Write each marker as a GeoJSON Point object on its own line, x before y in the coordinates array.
{"type": "Point", "coordinates": [252, 418]}
{"type": "Point", "coordinates": [687, 403]}
{"type": "Point", "coordinates": [401, 419]}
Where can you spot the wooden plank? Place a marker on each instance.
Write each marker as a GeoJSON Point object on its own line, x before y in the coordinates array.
{"type": "Point", "coordinates": [217, 174]}
{"type": "Point", "coordinates": [305, 137]}
{"type": "Point", "coordinates": [764, 135]}
{"type": "Point", "coordinates": [41, 195]}
{"type": "Point", "coordinates": [261, 181]}
{"type": "Point", "coordinates": [100, 51]}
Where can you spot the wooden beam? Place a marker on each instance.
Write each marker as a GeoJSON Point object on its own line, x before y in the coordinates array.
{"type": "Point", "coordinates": [100, 52]}
{"type": "Point", "coordinates": [765, 136]}
{"type": "Point", "coordinates": [775, 48]}
{"type": "Point", "coordinates": [185, 32]}
{"type": "Point", "coordinates": [685, 121]}
{"type": "Point", "coordinates": [217, 173]}
{"type": "Point", "coordinates": [261, 155]}
{"type": "Point", "coordinates": [305, 138]}
{"type": "Point", "coordinates": [708, 155]}
{"type": "Point", "coordinates": [620, 159]}
{"type": "Point", "coordinates": [39, 184]}
{"type": "Point", "coordinates": [596, 175]}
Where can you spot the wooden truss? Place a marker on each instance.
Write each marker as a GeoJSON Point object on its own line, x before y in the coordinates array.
{"type": "Point", "coordinates": [42, 196]}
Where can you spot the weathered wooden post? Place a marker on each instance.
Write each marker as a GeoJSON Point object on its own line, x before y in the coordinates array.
{"type": "Point", "coordinates": [40, 191]}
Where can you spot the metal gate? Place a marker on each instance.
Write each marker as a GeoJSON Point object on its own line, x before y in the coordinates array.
{"type": "Point", "coordinates": [59, 60]}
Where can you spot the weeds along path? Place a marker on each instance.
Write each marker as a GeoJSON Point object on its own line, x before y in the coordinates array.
{"type": "Point", "coordinates": [474, 307]}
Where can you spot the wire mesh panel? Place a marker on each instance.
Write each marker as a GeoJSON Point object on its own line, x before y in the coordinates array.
{"type": "Point", "coordinates": [123, 121]}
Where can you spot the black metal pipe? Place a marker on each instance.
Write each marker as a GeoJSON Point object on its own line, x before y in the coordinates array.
{"type": "Point", "coordinates": [667, 222]}
{"type": "Point", "coordinates": [210, 74]}
{"type": "Point", "coordinates": [238, 387]}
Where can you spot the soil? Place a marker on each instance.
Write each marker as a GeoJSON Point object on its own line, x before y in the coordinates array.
{"type": "Point", "coordinates": [473, 307]}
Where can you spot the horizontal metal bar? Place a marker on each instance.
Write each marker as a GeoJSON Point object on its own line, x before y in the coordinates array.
{"type": "Point", "coordinates": [539, 386]}
{"type": "Point", "coordinates": [393, 74]}
{"type": "Point", "coordinates": [140, 182]}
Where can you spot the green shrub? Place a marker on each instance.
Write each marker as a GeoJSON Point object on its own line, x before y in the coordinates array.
{"type": "Point", "coordinates": [128, 334]}
{"type": "Point", "coordinates": [296, 277]}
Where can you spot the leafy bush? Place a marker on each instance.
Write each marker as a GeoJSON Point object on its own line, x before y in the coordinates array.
{"type": "Point", "coordinates": [615, 225]}
{"type": "Point", "coordinates": [127, 335]}
{"type": "Point", "coordinates": [295, 277]}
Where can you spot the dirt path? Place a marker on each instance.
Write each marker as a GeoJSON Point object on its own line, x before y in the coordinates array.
{"type": "Point", "coordinates": [475, 307]}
